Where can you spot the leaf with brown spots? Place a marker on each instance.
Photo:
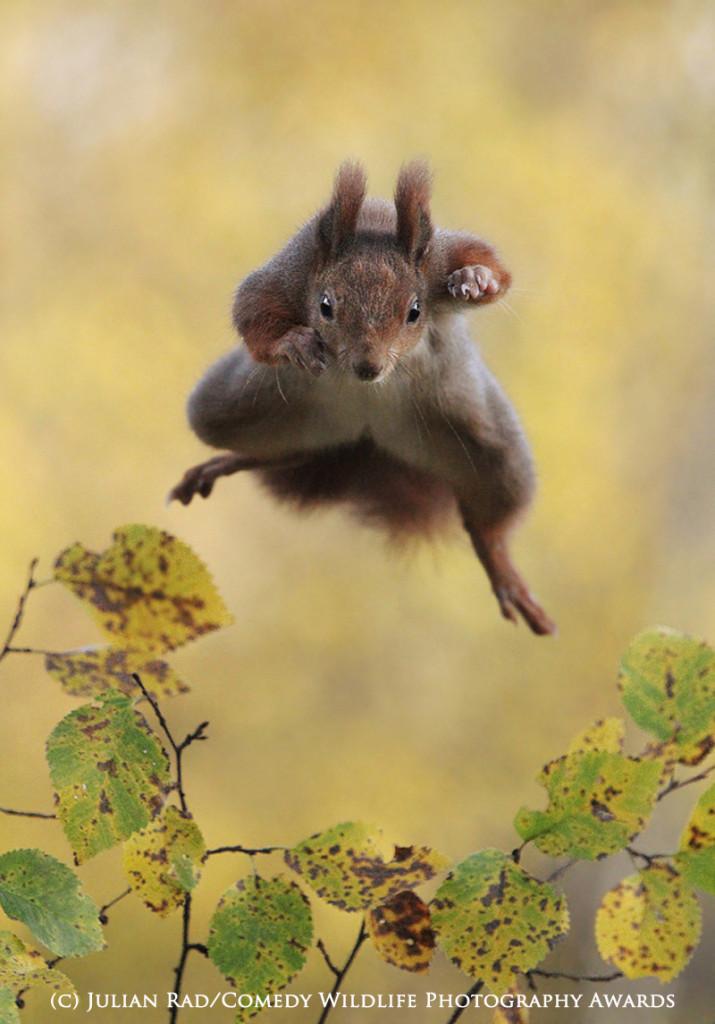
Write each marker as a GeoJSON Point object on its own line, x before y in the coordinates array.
{"type": "Point", "coordinates": [598, 801]}
{"type": "Point", "coordinates": [92, 671]}
{"type": "Point", "coordinates": [667, 681]}
{"type": "Point", "coordinates": [147, 589]}
{"type": "Point", "coordinates": [9, 1013]}
{"type": "Point", "coordinates": [649, 925]}
{"type": "Point", "coordinates": [401, 932]}
{"type": "Point", "coordinates": [23, 967]}
{"type": "Point", "coordinates": [494, 921]}
{"type": "Point", "coordinates": [604, 734]}
{"type": "Point", "coordinates": [162, 862]}
{"type": "Point", "coordinates": [48, 898]}
{"type": "Point", "coordinates": [346, 867]}
{"type": "Point", "coordinates": [696, 859]}
{"type": "Point", "coordinates": [260, 935]}
{"type": "Point", "coordinates": [110, 774]}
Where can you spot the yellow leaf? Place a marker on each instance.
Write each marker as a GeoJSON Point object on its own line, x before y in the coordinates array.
{"type": "Point", "coordinates": [162, 862]}
{"type": "Point", "coordinates": [94, 670]}
{"type": "Point", "coordinates": [605, 734]}
{"type": "Point", "coordinates": [147, 590]}
{"type": "Point", "coordinates": [649, 925]}
{"type": "Point", "coordinates": [401, 932]}
{"type": "Point", "coordinates": [22, 966]}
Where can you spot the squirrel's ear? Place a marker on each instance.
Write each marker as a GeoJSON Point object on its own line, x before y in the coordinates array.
{"type": "Point", "coordinates": [337, 224]}
{"type": "Point", "coordinates": [412, 196]}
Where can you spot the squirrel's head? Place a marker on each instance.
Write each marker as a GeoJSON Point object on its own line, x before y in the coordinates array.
{"type": "Point", "coordinates": [370, 291]}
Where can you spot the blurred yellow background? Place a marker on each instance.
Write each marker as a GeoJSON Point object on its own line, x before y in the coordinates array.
{"type": "Point", "coordinates": [153, 155]}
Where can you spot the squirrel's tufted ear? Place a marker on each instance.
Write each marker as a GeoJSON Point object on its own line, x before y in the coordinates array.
{"type": "Point", "coordinates": [412, 196]}
{"type": "Point", "coordinates": [337, 224]}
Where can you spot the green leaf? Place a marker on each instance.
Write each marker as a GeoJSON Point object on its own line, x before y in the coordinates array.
{"type": "Point", "coordinates": [493, 920]}
{"type": "Point", "coordinates": [163, 861]}
{"type": "Point", "coordinates": [23, 966]}
{"type": "Point", "coordinates": [696, 858]}
{"type": "Point", "coordinates": [401, 932]}
{"type": "Point", "coordinates": [93, 671]}
{"type": "Point", "coordinates": [597, 802]}
{"type": "Point", "coordinates": [649, 925]}
{"type": "Point", "coordinates": [667, 680]}
{"type": "Point", "coordinates": [47, 896]}
{"type": "Point", "coordinates": [148, 589]}
{"type": "Point", "coordinates": [345, 866]}
{"type": "Point", "coordinates": [110, 774]}
{"type": "Point", "coordinates": [260, 935]}
{"type": "Point", "coordinates": [9, 1013]}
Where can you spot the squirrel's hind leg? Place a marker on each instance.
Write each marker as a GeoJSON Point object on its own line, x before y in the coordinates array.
{"type": "Point", "coordinates": [510, 590]}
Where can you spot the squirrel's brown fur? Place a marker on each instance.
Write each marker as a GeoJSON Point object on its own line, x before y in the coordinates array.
{"type": "Point", "coordinates": [358, 381]}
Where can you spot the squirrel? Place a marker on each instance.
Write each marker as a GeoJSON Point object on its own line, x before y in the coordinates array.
{"type": "Point", "coordinates": [359, 383]}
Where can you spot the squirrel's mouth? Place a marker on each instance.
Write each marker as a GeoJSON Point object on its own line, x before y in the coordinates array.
{"type": "Point", "coordinates": [368, 371]}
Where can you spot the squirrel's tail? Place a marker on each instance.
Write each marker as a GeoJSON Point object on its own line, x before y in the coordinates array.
{"type": "Point", "coordinates": [382, 490]}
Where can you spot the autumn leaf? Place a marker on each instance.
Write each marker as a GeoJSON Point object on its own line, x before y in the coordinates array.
{"type": "Point", "coordinates": [109, 772]}
{"type": "Point", "coordinates": [147, 589]}
{"type": "Point", "coordinates": [260, 934]}
{"type": "Point", "coordinates": [493, 920]}
{"type": "Point", "coordinates": [163, 861]}
{"type": "Point", "coordinates": [46, 895]}
{"type": "Point", "coordinates": [401, 932]}
{"type": "Point", "coordinates": [9, 1013]}
{"type": "Point", "coordinates": [92, 671]}
{"type": "Point", "coordinates": [649, 925]}
{"type": "Point", "coordinates": [667, 682]}
{"type": "Point", "coordinates": [604, 734]}
{"type": "Point", "coordinates": [598, 801]}
{"type": "Point", "coordinates": [22, 966]}
{"type": "Point", "coordinates": [345, 866]}
{"type": "Point", "coordinates": [696, 859]}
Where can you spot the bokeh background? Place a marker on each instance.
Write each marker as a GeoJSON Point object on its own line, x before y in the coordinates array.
{"type": "Point", "coordinates": [153, 155]}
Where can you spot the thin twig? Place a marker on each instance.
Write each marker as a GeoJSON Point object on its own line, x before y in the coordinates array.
{"type": "Point", "coordinates": [326, 956]}
{"type": "Point", "coordinates": [248, 850]}
{"type": "Point", "coordinates": [199, 733]}
{"type": "Point", "coordinates": [559, 872]}
{"type": "Point", "coordinates": [473, 991]}
{"type": "Point", "coordinates": [20, 610]}
{"type": "Point", "coordinates": [595, 978]}
{"type": "Point", "coordinates": [341, 973]}
{"type": "Point", "coordinates": [648, 858]}
{"type": "Point", "coordinates": [112, 903]}
{"type": "Point", "coordinates": [186, 948]}
{"type": "Point", "coordinates": [673, 785]}
{"type": "Point", "coordinates": [27, 814]}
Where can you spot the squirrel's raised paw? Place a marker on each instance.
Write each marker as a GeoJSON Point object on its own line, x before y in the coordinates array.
{"type": "Point", "coordinates": [201, 479]}
{"type": "Point", "coordinates": [303, 347]}
{"type": "Point", "coordinates": [472, 283]}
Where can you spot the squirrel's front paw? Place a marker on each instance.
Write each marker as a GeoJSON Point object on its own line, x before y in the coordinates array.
{"type": "Point", "coordinates": [472, 283]}
{"type": "Point", "coordinates": [303, 347]}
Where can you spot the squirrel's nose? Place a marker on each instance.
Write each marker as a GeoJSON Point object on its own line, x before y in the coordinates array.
{"type": "Point", "coordinates": [366, 370]}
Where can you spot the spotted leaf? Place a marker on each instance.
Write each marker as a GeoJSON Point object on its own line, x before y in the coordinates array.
{"type": "Point", "coordinates": [667, 681]}
{"type": "Point", "coordinates": [9, 1013]}
{"type": "Point", "coordinates": [23, 966]}
{"type": "Point", "coordinates": [346, 867]}
{"type": "Point", "coordinates": [598, 801]}
{"type": "Point", "coordinates": [494, 921]}
{"type": "Point", "coordinates": [401, 932]}
{"type": "Point", "coordinates": [95, 670]}
{"type": "Point", "coordinates": [696, 859]}
{"type": "Point", "coordinates": [162, 862]}
{"type": "Point", "coordinates": [260, 934]}
{"type": "Point", "coordinates": [605, 734]}
{"type": "Point", "coordinates": [46, 895]}
{"type": "Point", "coordinates": [109, 772]}
{"type": "Point", "coordinates": [649, 925]}
{"type": "Point", "coordinates": [147, 590]}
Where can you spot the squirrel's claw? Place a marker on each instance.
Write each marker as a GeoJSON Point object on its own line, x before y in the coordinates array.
{"type": "Point", "coordinates": [304, 348]}
{"type": "Point", "coordinates": [472, 283]}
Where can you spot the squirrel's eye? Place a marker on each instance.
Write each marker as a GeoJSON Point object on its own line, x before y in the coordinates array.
{"type": "Point", "coordinates": [326, 308]}
{"type": "Point", "coordinates": [414, 312]}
